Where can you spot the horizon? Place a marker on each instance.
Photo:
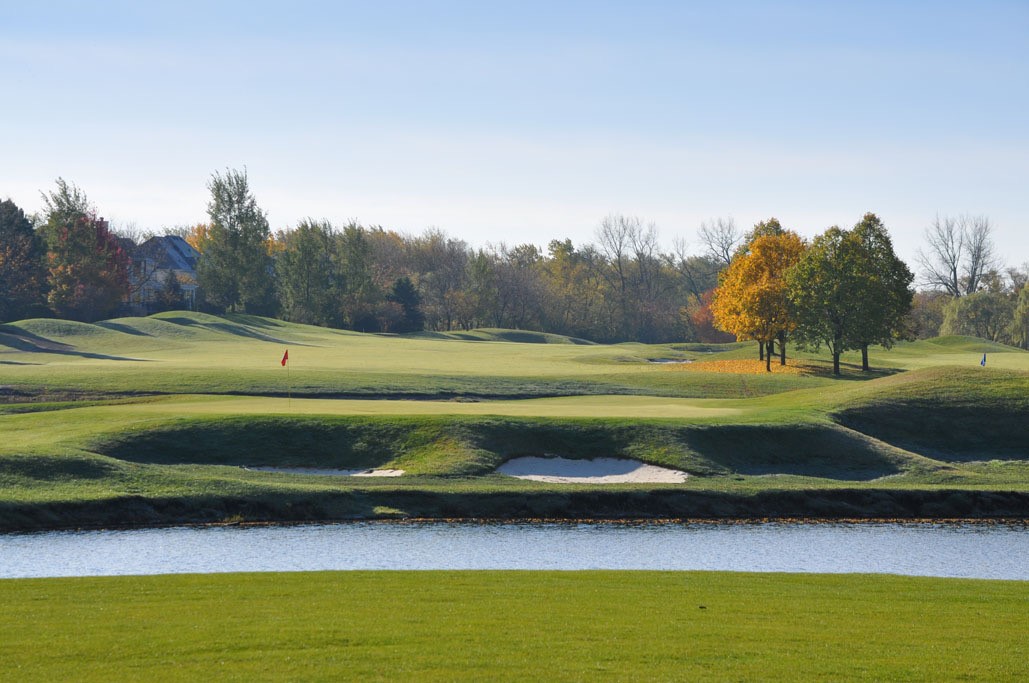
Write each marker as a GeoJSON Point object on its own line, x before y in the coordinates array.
{"type": "Point", "coordinates": [532, 123]}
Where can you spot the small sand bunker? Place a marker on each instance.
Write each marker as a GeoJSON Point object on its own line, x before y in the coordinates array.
{"type": "Point", "coordinates": [596, 471]}
{"type": "Point", "coordinates": [328, 472]}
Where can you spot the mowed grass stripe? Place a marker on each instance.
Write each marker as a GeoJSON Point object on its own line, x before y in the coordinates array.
{"type": "Point", "coordinates": [567, 406]}
{"type": "Point", "coordinates": [513, 626]}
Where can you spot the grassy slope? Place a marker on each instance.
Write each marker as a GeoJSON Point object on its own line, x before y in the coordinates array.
{"type": "Point", "coordinates": [196, 353]}
{"type": "Point", "coordinates": [513, 626]}
{"type": "Point", "coordinates": [944, 423]}
{"type": "Point", "coordinates": [949, 413]}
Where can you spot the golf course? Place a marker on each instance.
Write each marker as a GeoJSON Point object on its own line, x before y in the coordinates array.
{"type": "Point", "coordinates": [192, 418]}
{"type": "Point", "coordinates": [187, 418]}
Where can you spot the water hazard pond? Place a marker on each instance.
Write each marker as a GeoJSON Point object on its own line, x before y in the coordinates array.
{"type": "Point", "coordinates": [947, 550]}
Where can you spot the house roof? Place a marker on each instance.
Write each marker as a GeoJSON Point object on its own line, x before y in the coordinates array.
{"type": "Point", "coordinates": [169, 252]}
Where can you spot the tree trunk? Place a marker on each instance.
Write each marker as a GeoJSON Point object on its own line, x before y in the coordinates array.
{"type": "Point", "coordinates": [768, 358]}
{"type": "Point", "coordinates": [836, 363]}
{"type": "Point", "coordinates": [760, 350]}
{"type": "Point", "coordinates": [864, 357]}
{"type": "Point", "coordinates": [782, 349]}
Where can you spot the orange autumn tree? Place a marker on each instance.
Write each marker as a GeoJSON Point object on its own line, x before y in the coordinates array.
{"type": "Point", "coordinates": [198, 235]}
{"type": "Point", "coordinates": [751, 300]}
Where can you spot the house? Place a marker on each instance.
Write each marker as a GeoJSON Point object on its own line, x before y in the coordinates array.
{"type": "Point", "coordinates": [152, 262]}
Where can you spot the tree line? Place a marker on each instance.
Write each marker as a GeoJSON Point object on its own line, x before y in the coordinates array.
{"type": "Point", "coordinates": [847, 289]}
{"type": "Point", "coordinates": [623, 287]}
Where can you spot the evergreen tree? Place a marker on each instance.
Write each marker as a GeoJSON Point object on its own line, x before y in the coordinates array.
{"type": "Point", "coordinates": [235, 269]}
{"type": "Point", "coordinates": [406, 294]}
{"type": "Point", "coordinates": [304, 273]}
{"type": "Point", "coordinates": [359, 296]}
{"type": "Point", "coordinates": [169, 298]}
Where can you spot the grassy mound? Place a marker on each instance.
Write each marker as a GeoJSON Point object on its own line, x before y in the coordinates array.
{"type": "Point", "coordinates": [158, 327]}
{"type": "Point", "coordinates": [272, 441]}
{"type": "Point", "coordinates": [59, 329]}
{"type": "Point", "coordinates": [954, 414]}
{"type": "Point", "coordinates": [18, 470]}
{"type": "Point", "coordinates": [812, 450]}
{"type": "Point", "coordinates": [489, 334]}
{"type": "Point", "coordinates": [956, 343]}
{"type": "Point", "coordinates": [466, 446]}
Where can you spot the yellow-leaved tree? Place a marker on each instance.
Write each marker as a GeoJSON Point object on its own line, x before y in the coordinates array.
{"type": "Point", "coordinates": [198, 235]}
{"type": "Point", "coordinates": [751, 300]}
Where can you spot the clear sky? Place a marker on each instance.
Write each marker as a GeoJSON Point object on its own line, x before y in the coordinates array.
{"type": "Point", "coordinates": [526, 121]}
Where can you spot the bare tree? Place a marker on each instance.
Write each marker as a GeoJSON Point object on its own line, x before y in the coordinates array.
{"type": "Point", "coordinates": [959, 254]}
{"type": "Point", "coordinates": [942, 263]}
{"type": "Point", "coordinates": [700, 273]}
{"type": "Point", "coordinates": [130, 230]}
{"type": "Point", "coordinates": [980, 257]}
{"type": "Point", "coordinates": [643, 244]}
{"type": "Point", "coordinates": [630, 248]}
{"type": "Point", "coordinates": [615, 235]}
{"type": "Point", "coordinates": [721, 237]}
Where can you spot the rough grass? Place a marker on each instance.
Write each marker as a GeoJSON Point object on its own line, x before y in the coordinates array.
{"type": "Point", "coordinates": [513, 626]}
{"type": "Point", "coordinates": [950, 414]}
{"type": "Point", "coordinates": [453, 446]}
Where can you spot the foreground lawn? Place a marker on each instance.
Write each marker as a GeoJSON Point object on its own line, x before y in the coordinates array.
{"type": "Point", "coordinates": [513, 626]}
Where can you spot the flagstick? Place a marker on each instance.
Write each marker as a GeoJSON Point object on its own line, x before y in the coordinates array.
{"type": "Point", "coordinates": [289, 389]}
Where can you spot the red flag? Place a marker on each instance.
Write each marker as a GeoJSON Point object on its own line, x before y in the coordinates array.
{"type": "Point", "coordinates": [285, 357]}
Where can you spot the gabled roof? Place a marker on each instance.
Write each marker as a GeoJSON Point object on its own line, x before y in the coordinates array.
{"type": "Point", "coordinates": [169, 252]}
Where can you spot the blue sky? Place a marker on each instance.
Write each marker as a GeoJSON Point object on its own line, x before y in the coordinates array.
{"type": "Point", "coordinates": [527, 121]}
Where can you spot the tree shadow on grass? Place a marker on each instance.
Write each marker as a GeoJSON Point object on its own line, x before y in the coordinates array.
{"type": "Point", "coordinates": [949, 433]}
{"type": "Point", "coordinates": [21, 340]}
{"type": "Point", "coordinates": [850, 372]}
{"type": "Point", "coordinates": [231, 328]}
{"type": "Point", "coordinates": [119, 327]}
{"type": "Point", "coordinates": [804, 450]}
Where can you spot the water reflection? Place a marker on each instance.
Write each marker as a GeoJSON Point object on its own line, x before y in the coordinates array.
{"type": "Point", "coordinates": [954, 550]}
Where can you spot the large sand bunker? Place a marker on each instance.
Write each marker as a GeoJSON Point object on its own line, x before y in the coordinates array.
{"type": "Point", "coordinates": [596, 471]}
{"type": "Point", "coordinates": [328, 472]}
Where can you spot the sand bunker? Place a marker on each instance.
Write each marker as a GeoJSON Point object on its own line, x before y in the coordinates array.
{"type": "Point", "coordinates": [596, 471]}
{"type": "Point", "coordinates": [328, 472]}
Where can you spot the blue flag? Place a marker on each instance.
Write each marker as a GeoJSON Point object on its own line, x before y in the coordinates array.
{"type": "Point", "coordinates": [983, 361]}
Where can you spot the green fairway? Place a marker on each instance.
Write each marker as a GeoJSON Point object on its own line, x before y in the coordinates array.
{"type": "Point", "coordinates": [152, 420]}
{"type": "Point", "coordinates": [513, 626]}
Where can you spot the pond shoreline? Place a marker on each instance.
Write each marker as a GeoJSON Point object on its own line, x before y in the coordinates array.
{"type": "Point", "coordinates": [643, 506]}
{"type": "Point", "coordinates": [557, 521]}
